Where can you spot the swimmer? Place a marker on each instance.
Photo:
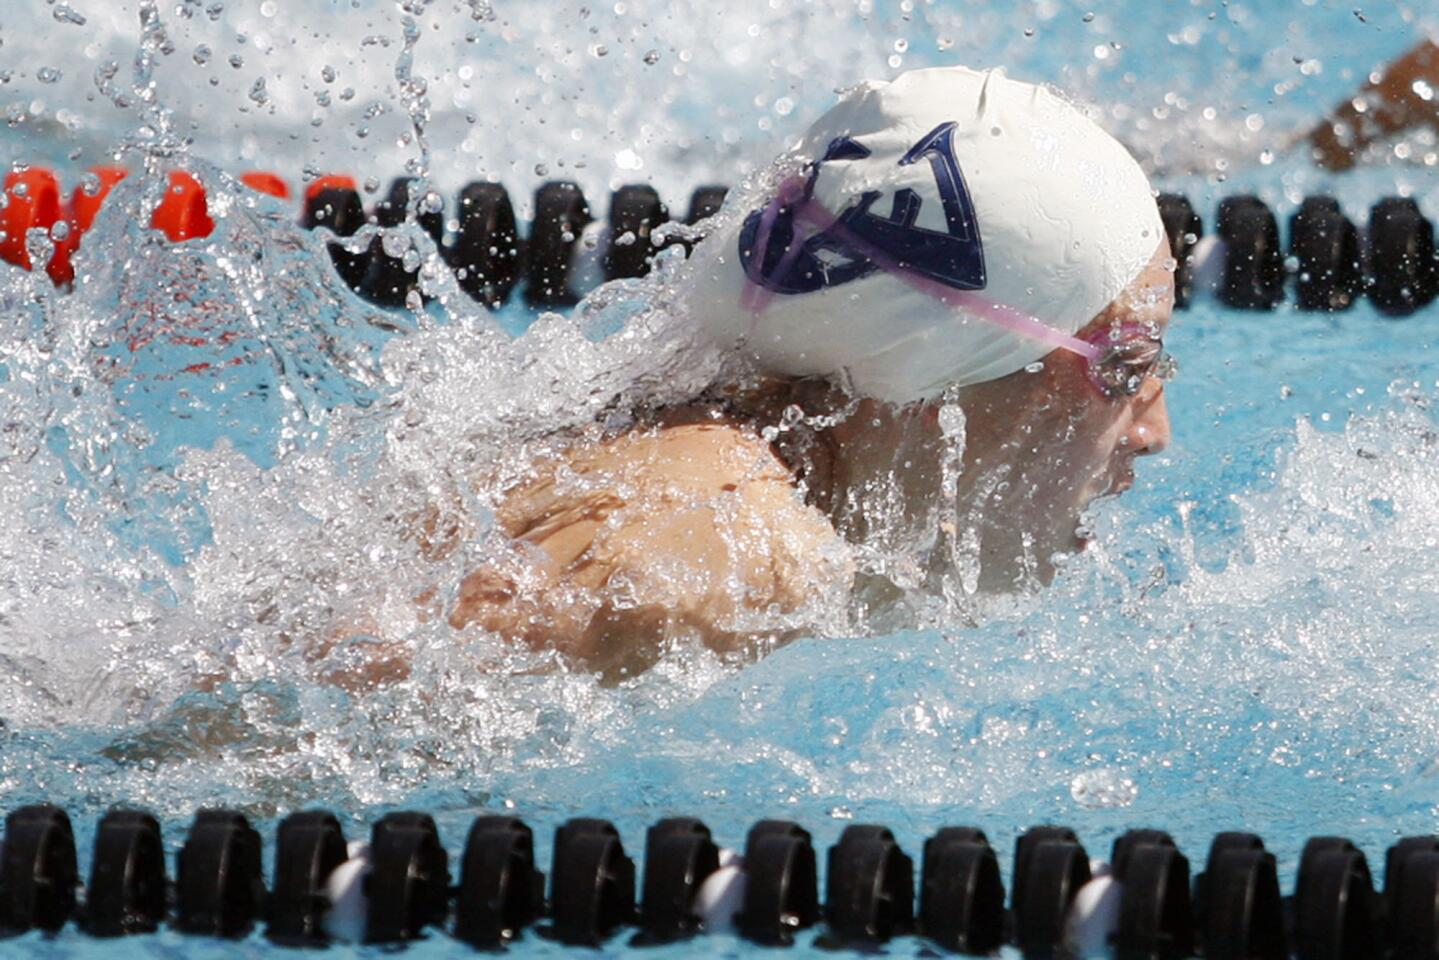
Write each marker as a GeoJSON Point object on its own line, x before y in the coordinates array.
{"type": "Point", "coordinates": [1403, 96]}
{"type": "Point", "coordinates": [951, 312]}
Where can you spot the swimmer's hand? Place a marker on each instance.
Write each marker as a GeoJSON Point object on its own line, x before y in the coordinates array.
{"type": "Point", "coordinates": [353, 655]}
{"type": "Point", "coordinates": [691, 531]}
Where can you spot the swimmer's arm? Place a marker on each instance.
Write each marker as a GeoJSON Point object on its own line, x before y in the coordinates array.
{"type": "Point", "coordinates": [1391, 104]}
{"type": "Point", "coordinates": [356, 656]}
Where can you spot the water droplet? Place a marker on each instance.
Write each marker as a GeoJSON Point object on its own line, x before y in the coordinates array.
{"type": "Point", "coordinates": [214, 10]}
{"type": "Point", "coordinates": [236, 61]}
{"type": "Point", "coordinates": [202, 55]}
{"type": "Point", "coordinates": [541, 170]}
{"type": "Point", "coordinates": [268, 8]}
{"type": "Point", "coordinates": [1089, 17]}
{"type": "Point", "coordinates": [599, 50]}
{"type": "Point", "coordinates": [1029, 31]}
{"type": "Point", "coordinates": [1103, 788]}
{"type": "Point", "coordinates": [395, 244]}
{"type": "Point", "coordinates": [901, 45]}
{"type": "Point", "coordinates": [652, 57]}
{"type": "Point", "coordinates": [47, 74]}
{"type": "Point", "coordinates": [64, 13]}
{"type": "Point", "coordinates": [258, 94]}
{"type": "Point", "coordinates": [945, 43]}
{"type": "Point", "coordinates": [327, 73]}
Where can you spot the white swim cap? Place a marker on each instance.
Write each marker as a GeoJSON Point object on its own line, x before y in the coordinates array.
{"type": "Point", "coordinates": [938, 216]}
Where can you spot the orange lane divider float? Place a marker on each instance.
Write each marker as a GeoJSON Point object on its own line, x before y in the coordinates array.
{"type": "Point", "coordinates": [183, 214]}
{"type": "Point", "coordinates": [266, 182]}
{"type": "Point", "coordinates": [33, 200]}
{"type": "Point", "coordinates": [85, 204]}
{"type": "Point", "coordinates": [337, 181]}
{"type": "Point", "coordinates": [83, 207]}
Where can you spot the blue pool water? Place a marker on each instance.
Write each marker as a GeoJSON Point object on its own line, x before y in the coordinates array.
{"type": "Point", "coordinates": [1246, 644]}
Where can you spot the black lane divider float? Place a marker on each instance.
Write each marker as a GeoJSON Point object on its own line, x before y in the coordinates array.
{"type": "Point", "coordinates": [1253, 266]}
{"type": "Point", "coordinates": [1328, 264]}
{"type": "Point", "coordinates": [487, 253]}
{"type": "Point", "coordinates": [1232, 910]}
{"type": "Point", "coordinates": [1329, 261]}
{"type": "Point", "coordinates": [561, 215]}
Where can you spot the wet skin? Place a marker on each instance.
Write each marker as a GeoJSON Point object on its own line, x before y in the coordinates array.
{"type": "Point", "coordinates": [682, 512]}
{"type": "Point", "coordinates": [1039, 447]}
{"type": "Point", "coordinates": [695, 526]}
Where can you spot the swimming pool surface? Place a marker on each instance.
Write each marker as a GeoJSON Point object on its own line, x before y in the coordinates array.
{"type": "Point", "coordinates": [1247, 643]}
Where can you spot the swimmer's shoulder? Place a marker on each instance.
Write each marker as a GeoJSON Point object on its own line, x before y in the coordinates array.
{"type": "Point", "coordinates": [678, 459]}
{"type": "Point", "coordinates": [715, 456]}
{"type": "Point", "coordinates": [690, 527]}
{"type": "Point", "coordinates": [652, 467]}
{"type": "Point", "coordinates": [716, 496]}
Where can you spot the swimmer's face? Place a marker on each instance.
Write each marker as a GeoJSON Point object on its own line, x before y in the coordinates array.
{"type": "Point", "coordinates": [1039, 446]}
{"type": "Point", "coordinates": [1042, 446]}
{"type": "Point", "coordinates": [1100, 437]}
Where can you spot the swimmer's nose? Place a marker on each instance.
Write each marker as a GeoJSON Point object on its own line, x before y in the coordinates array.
{"type": "Point", "coordinates": [1149, 431]}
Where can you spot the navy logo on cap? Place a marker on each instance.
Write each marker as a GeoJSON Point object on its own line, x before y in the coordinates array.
{"type": "Point", "coordinates": [842, 252]}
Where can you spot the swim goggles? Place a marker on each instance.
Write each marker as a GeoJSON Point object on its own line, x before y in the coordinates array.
{"type": "Point", "coordinates": [1118, 358]}
{"type": "Point", "coordinates": [1129, 354]}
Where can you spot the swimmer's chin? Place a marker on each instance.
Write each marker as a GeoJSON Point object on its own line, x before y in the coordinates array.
{"type": "Point", "coordinates": [1116, 487]}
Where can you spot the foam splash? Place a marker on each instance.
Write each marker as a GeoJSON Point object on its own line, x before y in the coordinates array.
{"type": "Point", "coordinates": [676, 93]}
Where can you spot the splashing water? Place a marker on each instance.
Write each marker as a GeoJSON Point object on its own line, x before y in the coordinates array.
{"type": "Point", "coordinates": [212, 454]}
{"type": "Point", "coordinates": [513, 85]}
